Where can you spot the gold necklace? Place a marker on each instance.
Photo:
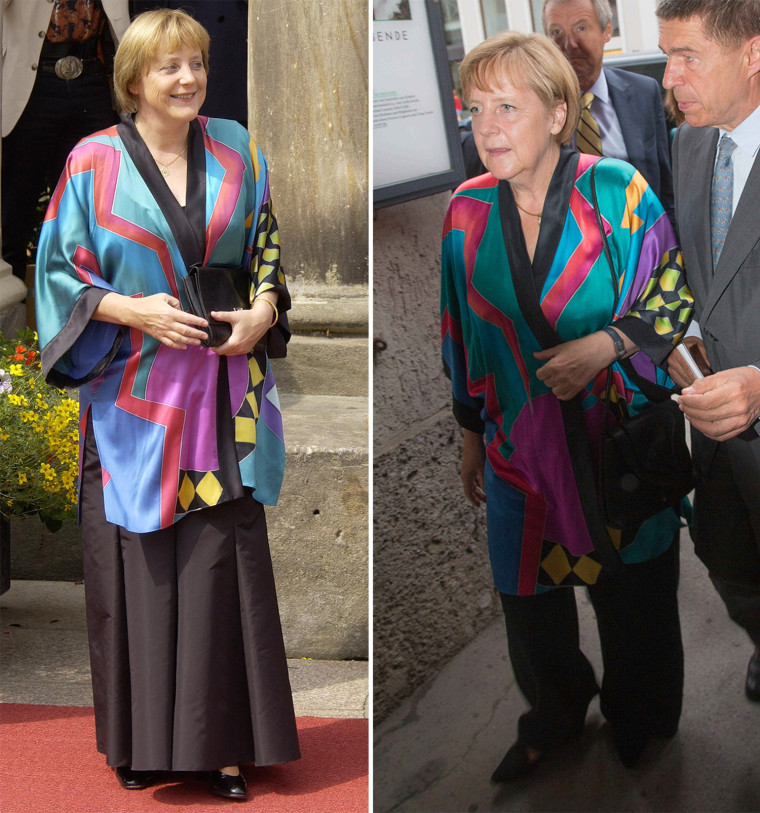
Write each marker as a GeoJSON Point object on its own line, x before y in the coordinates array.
{"type": "Point", "coordinates": [164, 168]}
{"type": "Point", "coordinates": [532, 214]}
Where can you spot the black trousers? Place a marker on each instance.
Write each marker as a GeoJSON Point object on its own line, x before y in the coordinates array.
{"type": "Point", "coordinates": [642, 652]}
{"type": "Point", "coordinates": [186, 651]}
{"type": "Point", "coordinates": [58, 114]}
{"type": "Point", "coordinates": [726, 533]}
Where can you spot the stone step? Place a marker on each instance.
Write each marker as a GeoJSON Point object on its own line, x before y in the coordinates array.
{"type": "Point", "coordinates": [320, 365]}
{"type": "Point", "coordinates": [318, 532]}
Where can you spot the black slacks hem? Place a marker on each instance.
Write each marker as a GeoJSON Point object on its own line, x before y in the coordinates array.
{"type": "Point", "coordinates": [642, 652]}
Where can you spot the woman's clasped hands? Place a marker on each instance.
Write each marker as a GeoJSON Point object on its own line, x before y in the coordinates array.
{"type": "Point", "coordinates": [570, 366]}
{"type": "Point", "coordinates": [248, 327]}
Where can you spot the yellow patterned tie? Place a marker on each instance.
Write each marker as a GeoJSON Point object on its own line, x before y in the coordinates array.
{"type": "Point", "coordinates": [588, 137]}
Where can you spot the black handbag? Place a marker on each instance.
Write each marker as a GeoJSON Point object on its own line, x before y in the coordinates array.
{"type": "Point", "coordinates": [645, 465]}
{"type": "Point", "coordinates": [217, 288]}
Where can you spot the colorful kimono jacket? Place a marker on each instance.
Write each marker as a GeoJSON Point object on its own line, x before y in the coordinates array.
{"type": "Point", "coordinates": [176, 430]}
{"type": "Point", "coordinates": [537, 535]}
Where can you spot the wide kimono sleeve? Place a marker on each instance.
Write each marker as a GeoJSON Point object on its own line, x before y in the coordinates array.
{"type": "Point", "coordinates": [69, 284]}
{"type": "Point", "coordinates": [653, 304]}
{"type": "Point", "coordinates": [263, 253]}
{"type": "Point", "coordinates": [456, 324]}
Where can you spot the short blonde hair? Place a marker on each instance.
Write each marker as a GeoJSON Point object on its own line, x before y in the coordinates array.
{"type": "Point", "coordinates": [529, 62]}
{"type": "Point", "coordinates": [150, 34]}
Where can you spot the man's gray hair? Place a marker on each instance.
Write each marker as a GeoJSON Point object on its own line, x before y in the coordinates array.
{"type": "Point", "coordinates": [601, 9]}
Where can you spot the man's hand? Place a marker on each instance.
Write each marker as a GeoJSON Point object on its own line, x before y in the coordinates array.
{"type": "Point", "coordinates": [724, 404]}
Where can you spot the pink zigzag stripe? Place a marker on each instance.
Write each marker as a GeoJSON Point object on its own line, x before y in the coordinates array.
{"type": "Point", "coordinates": [86, 265]}
{"type": "Point", "coordinates": [171, 418]}
{"type": "Point", "coordinates": [587, 252]}
{"type": "Point", "coordinates": [473, 222]}
{"type": "Point", "coordinates": [229, 192]}
{"type": "Point", "coordinates": [104, 189]}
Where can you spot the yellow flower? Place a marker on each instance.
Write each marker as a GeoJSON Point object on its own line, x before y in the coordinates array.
{"type": "Point", "coordinates": [16, 369]}
{"type": "Point", "coordinates": [18, 400]}
{"type": "Point", "coordinates": [48, 471]}
{"type": "Point", "coordinates": [21, 478]}
{"type": "Point", "coordinates": [4, 435]}
{"type": "Point", "coordinates": [28, 417]}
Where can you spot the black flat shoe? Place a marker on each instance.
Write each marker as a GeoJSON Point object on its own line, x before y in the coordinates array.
{"type": "Point", "coordinates": [630, 745]}
{"type": "Point", "coordinates": [752, 686]}
{"type": "Point", "coordinates": [231, 787]}
{"type": "Point", "coordinates": [516, 763]}
{"type": "Point", "coordinates": [134, 780]}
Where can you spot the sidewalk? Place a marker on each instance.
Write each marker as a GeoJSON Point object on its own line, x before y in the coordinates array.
{"type": "Point", "coordinates": [436, 752]}
{"type": "Point", "coordinates": [44, 658]}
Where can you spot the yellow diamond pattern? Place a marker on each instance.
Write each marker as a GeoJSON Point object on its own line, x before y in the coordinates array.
{"type": "Point", "coordinates": [245, 430]}
{"type": "Point", "coordinates": [186, 492]}
{"type": "Point", "coordinates": [587, 569]}
{"type": "Point", "coordinates": [556, 565]}
{"type": "Point", "coordinates": [209, 489]}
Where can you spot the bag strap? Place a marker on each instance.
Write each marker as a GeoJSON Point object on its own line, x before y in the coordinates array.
{"type": "Point", "coordinates": [576, 435]}
{"type": "Point", "coordinates": [652, 392]}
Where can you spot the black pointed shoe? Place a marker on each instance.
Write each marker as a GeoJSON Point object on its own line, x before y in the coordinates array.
{"type": "Point", "coordinates": [134, 780]}
{"type": "Point", "coordinates": [231, 787]}
{"type": "Point", "coordinates": [752, 686]}
{"type": "Point", "coordinates": [517, 762]}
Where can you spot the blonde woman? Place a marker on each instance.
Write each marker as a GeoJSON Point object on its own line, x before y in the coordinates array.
{"type": "Point", "coordinates": [181, 443]}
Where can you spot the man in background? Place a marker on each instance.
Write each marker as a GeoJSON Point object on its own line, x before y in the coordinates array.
{"type": "Point", "coordinates": [57, 61]}
{"type": "Point", "coordinates": [622, 113]}
{"type": "Point", "coordinates": [713, 49]}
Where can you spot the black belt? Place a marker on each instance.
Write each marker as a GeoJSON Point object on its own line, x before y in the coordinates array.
{"type": "Point", "coordinates": [70, 67]}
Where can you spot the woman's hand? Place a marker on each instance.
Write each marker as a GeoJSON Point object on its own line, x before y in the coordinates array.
{"type": "Point", "coordinates": [248, 327]}
{"type": "Point", "coordinates": [158, 315]}
{"type": "Point", "coordinates": [473, 466]}
{"type": "Point", "coordinates": [570, 366]}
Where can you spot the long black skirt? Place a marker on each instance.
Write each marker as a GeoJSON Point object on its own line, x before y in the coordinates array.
{"type": "Point", "coordinates": [188, 663]}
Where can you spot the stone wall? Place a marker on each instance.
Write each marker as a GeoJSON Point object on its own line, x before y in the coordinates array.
{"type": "Point", "coordinates": [432, 584]}
{"type": "Point", "coordinates": [308, 107]}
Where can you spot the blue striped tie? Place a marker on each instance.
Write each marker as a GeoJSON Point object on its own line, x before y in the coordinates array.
{"type": "Point", "coordinates": [722, 197]}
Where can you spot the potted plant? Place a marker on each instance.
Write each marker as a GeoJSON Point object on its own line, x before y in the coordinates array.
{"type": "Point", "coordinates": [39, 442]}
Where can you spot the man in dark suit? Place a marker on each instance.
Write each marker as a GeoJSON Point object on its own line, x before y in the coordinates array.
{"type": "Point", "coordinates": [713, 49]}
{"type": "Point", "coordinates": [626, 109]}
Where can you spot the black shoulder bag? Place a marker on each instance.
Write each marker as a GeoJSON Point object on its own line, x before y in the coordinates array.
{"type": "Point", "coordinates": [645, 465]}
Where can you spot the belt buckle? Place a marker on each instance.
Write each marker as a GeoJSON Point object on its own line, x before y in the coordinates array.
{"type": "Point", "coordinates": [69, 67]}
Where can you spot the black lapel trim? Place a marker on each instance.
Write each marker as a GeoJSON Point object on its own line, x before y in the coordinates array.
{"type": "Point", "coordinates": [187, 225]}
{"type": "Point", "coordinates": [576, 433]}
{"type": "Point", "coordinates": [528, 281]}
{"type": "Point", "coordinates": [553, 222]}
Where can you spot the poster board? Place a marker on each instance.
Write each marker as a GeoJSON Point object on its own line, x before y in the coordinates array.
{"type": "Point", "coordinates": [416, 148]}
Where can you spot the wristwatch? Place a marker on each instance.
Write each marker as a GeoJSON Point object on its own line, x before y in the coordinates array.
{"type": "Point", "coordinates": [619, 344]}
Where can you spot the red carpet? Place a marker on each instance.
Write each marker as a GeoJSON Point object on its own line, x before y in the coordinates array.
{"type": "Point", "coordinates": [52, 749]}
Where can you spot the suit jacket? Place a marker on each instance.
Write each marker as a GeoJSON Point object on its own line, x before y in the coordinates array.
{"type": "Point", "coordinates": [726, 302]}
{"type": "Point", "coordinates": [638, 105]}
{"type": "Point", "coordinates": [24, 25]}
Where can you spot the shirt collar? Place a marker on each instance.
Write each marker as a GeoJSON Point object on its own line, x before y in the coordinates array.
{"type": "Point", "coordinates": [747, 134]}
{"type": "Point", "coordinates": [599, 88]}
